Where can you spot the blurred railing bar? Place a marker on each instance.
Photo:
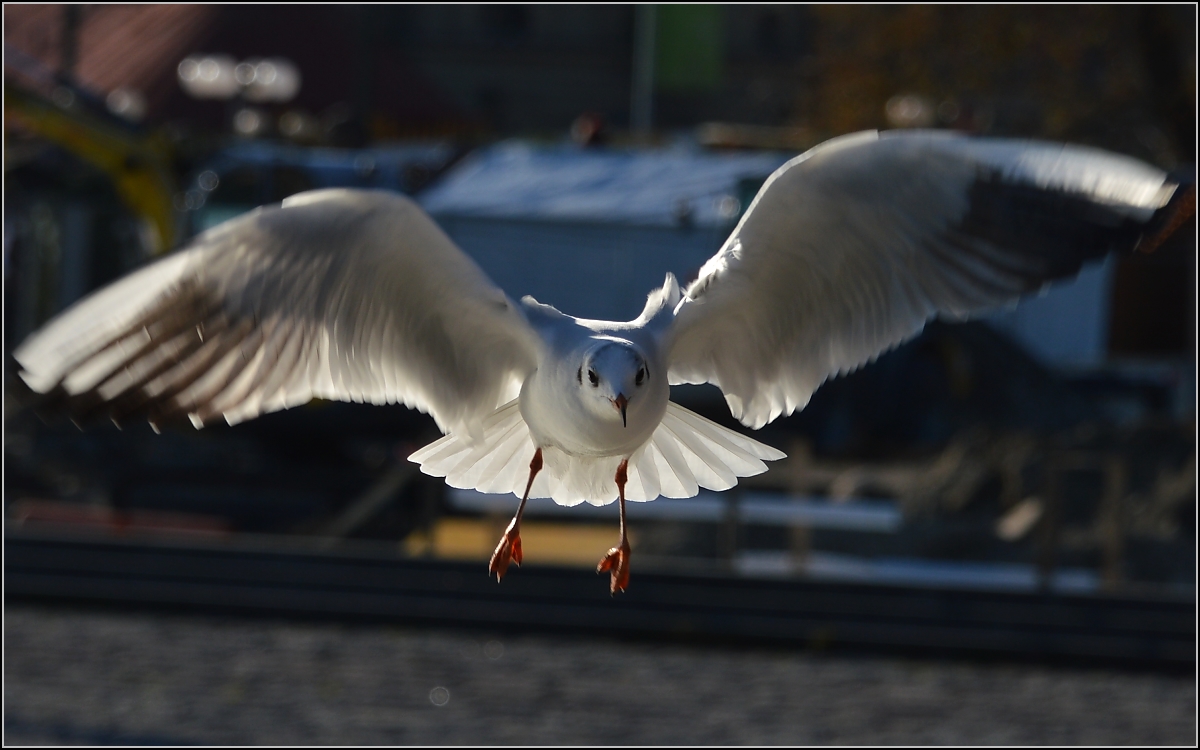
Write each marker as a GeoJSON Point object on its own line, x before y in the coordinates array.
{"type": "Point", "coordinates": [849, 515]}
{"type": "Point", "coordinates": [764, 508]}
{"type": "Point", "coordinates": [1137, 631]}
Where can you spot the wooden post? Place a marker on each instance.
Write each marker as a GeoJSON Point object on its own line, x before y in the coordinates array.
{"type": "Point", "coordinates": [1051, 520]}
{"type": "Point", "coordinates": [727, 540]}
{"type": "Point", "coordinates": [1111, 521]}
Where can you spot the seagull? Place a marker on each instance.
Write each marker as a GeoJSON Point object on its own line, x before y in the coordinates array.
{"type": "Point", "coordinates": [357, 295]}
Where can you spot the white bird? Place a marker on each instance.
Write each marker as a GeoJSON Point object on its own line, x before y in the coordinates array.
{"type": "Point", "coordinates": [848, 250]}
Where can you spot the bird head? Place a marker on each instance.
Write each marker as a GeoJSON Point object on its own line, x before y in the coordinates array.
{"type": "Point", "coordinates": [611, 376]}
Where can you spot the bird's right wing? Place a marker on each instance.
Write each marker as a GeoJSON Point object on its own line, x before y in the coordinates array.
{"type": "Point", "coordinates": [851, 247]}
{"type": "Point", "coordinates": [340, 294]}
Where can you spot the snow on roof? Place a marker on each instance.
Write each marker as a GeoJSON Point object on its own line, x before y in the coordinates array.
{"type": "Point", "coordinates": [660, 187]}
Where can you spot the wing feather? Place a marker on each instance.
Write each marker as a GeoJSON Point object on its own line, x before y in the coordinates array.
{"type": "Point", "coordinates": [340, 294]}
{"type": "Point", "coordinates": [852, 247]}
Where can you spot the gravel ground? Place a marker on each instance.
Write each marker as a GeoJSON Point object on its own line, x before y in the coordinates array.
{"type": "Point", "coordinates": [104, 677]}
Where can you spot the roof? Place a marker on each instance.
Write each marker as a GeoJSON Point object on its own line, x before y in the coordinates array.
{"type": "Point", "coordinates": [657, 187]}
{"type": "Point", "coordinates": [106, 58]}
{"type": "Point", "coordinates": [139, 46]}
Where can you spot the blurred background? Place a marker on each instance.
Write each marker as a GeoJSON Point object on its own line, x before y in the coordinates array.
{"type": "Point", "coordinates": [1020, 488]}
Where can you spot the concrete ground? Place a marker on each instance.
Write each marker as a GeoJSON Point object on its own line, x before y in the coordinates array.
{"type": "Point", "coordinates": [74, 676]}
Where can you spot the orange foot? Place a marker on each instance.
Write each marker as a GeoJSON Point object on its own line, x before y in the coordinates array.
{"type": "Point", "coordinates": [508, 550]}
{"type": "Point", "coordinates": [617, 560]}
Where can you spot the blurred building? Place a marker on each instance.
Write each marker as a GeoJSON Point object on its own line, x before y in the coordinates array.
{"type": "Point", "coordinates": [786, 77]}
{"type": "Point", "coordinates": [1119, 76]}
{"type": "Point", "coordinates": [593, 231]}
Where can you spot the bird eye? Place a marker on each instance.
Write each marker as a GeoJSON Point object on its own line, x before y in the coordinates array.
{"type": "Point", "coordinates": [641, 375]}
{"type": "Point", "coordinates": [593, 378]}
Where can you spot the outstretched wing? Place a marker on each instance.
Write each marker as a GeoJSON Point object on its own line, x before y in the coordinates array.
{"type": "Point", "coordinates": [851, 247]}
{"type": "Point", "coordinates": [339, 294]}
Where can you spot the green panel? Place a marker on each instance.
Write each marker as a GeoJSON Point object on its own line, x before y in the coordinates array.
{"type": "Point", "coordinates": [691, 47]}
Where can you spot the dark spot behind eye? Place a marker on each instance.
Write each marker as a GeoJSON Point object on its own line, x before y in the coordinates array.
{"type": "Point", "coordinates": [579, 375]}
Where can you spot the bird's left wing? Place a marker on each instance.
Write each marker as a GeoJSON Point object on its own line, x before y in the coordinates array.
{"type": "Point", "coordinates": [348, 295]}
{"type": "Point", "coordinates": [851, 247]}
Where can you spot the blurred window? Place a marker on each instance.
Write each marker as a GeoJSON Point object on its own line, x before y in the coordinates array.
{"type": "Point", "coordinates": [239, 190]}
{"type": "Point", "coordinates": [242, 185]}
{"type": "Point", "coordinates": [287, 181]}
{"type": "Point", "coordinates": [505, 24]}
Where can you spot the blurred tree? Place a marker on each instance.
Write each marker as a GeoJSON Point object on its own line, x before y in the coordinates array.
{"type": "Point", "coordinates": [1105, 75]}
{"type": "Point", "coordinates": [690, 47]}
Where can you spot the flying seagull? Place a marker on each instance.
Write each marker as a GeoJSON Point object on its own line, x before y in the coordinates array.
{"type": "Point", "coordinates": [848, 250]}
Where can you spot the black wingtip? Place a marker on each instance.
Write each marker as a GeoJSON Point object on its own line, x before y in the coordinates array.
{"type": "Point", "coordinates": [1048, 234]}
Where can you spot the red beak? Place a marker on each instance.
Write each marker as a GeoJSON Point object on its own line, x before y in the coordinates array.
{"type": "Point", "coordinates": [621, 402]}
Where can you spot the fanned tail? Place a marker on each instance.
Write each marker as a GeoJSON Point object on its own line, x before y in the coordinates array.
{"type": "Point", "coordinates": [498, 463]}
{"type": "Point", "coordinates": [686, 452]}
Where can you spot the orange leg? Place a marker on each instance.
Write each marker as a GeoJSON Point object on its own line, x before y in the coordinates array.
{"type": "Point", "coordinates": [509, 548]}
{"type": "Point", "coordinates": [617, 558]}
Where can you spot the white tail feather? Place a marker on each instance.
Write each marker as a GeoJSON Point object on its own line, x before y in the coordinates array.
{"type": "Point", "coordinates": [686, 452]}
